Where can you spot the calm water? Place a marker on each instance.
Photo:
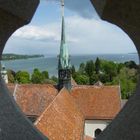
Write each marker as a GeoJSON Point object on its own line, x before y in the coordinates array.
{"type": "Point", "coordinates": [50, 63]}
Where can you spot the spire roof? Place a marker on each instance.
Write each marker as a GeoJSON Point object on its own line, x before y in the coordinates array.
{"type": "Point", "coordinates": [64, 55]}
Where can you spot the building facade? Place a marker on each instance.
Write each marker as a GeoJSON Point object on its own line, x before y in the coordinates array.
{"type": "Point", "coordinates": [4, 74]}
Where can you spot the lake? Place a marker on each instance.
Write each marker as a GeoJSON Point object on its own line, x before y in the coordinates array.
{"type": "Point", "coordinates": [50, 63]}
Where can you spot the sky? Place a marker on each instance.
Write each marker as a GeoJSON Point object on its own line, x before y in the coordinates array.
{"type": "Point", "coordinates": [86, 33]}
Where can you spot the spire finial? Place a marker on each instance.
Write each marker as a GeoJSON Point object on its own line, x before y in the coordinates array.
{"type": "Point", "coordinates": [62, 5]}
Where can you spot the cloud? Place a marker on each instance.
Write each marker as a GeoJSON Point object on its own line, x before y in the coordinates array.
{"type": "Point", "coordinates": [83, 8]}
{"type": "Point", "coordinates": [84, 36]}
{"type": "Point", "coordinates": [50, 32]}
{"type": "Point", "coordinates": [36, 33]}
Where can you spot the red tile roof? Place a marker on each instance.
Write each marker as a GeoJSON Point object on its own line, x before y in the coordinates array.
{"type": "Point", "coordinates": [33, 99]}
{"type": "Point", "coordinates": [98, 102]}
{"type": "Point", "coordinates": [62, 120]}
{"type": "Point", "coordinates": [94, 101]}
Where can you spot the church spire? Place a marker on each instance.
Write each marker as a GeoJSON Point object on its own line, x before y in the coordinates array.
{"type": "Point", "coordinates": [64, 71]}
{"type": "Point", "coordinates": [64, 56]}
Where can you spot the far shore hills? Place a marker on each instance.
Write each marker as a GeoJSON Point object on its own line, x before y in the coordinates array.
{"type": "Point", "coordinates": [10, 56]}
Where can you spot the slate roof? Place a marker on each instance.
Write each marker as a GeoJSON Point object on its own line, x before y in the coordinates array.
{"type": "Point", "coordinates": [62, 120]}
{"type": "Point", "coordinates": [98, 102]}
{"type": "Point", "coordinates": [33, 99]}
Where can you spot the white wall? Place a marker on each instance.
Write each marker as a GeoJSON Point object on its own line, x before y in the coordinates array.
{"type": "Point", "coordinates": [92, 125]}
{"type": "Point", "coordinates": [5, 76]}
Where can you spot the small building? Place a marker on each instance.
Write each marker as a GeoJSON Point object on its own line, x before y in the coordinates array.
{"type": "Point", "coordinates": [99, 104]}
{"type": "Point", "coordinates": [4, 74]}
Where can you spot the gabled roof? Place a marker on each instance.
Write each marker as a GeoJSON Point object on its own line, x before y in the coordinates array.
{"type": "Point", "coordinates": [62, 120]}
{"type": "Point", "coordinates": [99, 83]}
{"type": "Point", "coordinates": [33, 99]}
{"type": "Point", "coordinates": [98, 102]}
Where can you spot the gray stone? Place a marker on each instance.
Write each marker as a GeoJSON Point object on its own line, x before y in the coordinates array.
{"type": "Point", "coordinates": [20, 8]}
{"type": "Point", "coordinates": [13, 124]}
{"type": "Point", "coordinates": [126, 15]}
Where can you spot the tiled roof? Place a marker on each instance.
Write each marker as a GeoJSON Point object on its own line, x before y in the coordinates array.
{"type": "Point", "coordinates": [62, 120]}
{"type": "Point", "coordinates": [33, 98]}
{"type": "Point", "coordinates": [98, 102]}
{"type": "Point", "coordinates": [88, 138]}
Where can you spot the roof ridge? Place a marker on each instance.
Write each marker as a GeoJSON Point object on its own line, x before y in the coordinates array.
{"type": "Point", "coordinates": [37, 121]}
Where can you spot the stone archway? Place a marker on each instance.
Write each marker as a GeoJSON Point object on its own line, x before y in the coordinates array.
{"type": "Point", "coordinates": [16, 13]}
{"type": "Point", "coordinates": [125, 14]}
{"type": "Point", "coordinates": [13, 124]}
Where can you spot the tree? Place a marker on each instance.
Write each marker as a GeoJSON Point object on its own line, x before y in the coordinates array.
{"type": "Point", "coordinates": [73, 70]}
{"type": "Point", "coordinates": [131, 64]}
{"type": "Point", "coordinates": [54, 78]}
{"type": "Point", "coordinates": [82, 68]}
{"type": "Point", "coordinates": [128, 85]}
{"type": "Point", "coordinates": [37, 77]}
{"type": "Point", "coordinates": [109, 68]}
{"type": "Point", "coordinates": [45, 74]}
{"type": "Point", "coordinates": [23, 77]}
{"type": "Point", "coordinates": [119, 67]}
{"type": "Point", "coordinates": [93, 79]}
{"type": "Point", "coordinates": [97, 65]}
{"type": "Point", "coordinates": [89, 68]}
{"type": "Point", "coordinates": [81, 79]}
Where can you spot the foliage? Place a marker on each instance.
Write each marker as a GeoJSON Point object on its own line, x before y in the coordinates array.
{"type": "Point", "coordinates": [55, 79]}
{"type": "Point", "coordinates": [109, 73]}
{"type": "Point", "coordinates": [109, 68]}
{"type": "Point", "coordinates": [97, 65]}
{"type": "Point", "coordinates": [82, 68]}
{"type": "Point", "coordinates": [127, 77]}
{"type": "Point", "coordinates": [81, 79]}
{"type": "Point", "coordinates": [73, 70]}
{"type": "Point", "coordinates": [37, 77]}
{"type": "Point", "coordinates": [50, 81]}
{"type": "Point", "coordinates": [89, 68]}
{"type": "Point", "coordinates": [131, 64]}
{"type": "Point", "coordinates": [45, 74]}
{"type": "Point", "coordinates": [11, 76]}
{"type": "Point", "coordinates": [22, 77]}
{"type": "Point", "coordinates": [10, 56]}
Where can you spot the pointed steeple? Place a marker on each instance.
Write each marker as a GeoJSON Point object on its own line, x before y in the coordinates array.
{"type": "Point", "coordinates": [64, 55]}
{"type": "Point", "coordinates": [64, 71]}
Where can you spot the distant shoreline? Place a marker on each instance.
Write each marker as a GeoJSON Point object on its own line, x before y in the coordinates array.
{"type": "Point", "coordinates": [10, 56]}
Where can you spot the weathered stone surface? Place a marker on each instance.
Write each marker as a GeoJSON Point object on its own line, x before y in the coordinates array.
{"type": "Point", "coordinates": [125, 14]}
{"type": "Point", "coordinates": [13, 124]}
{"type": "Point", "coordinates": [20, 8]}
